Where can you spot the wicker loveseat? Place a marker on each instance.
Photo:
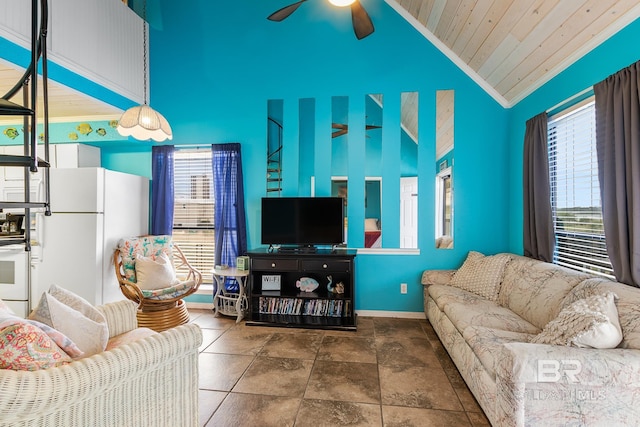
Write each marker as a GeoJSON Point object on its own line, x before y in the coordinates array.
{"type": "Point", "coordinates": [152, 381]}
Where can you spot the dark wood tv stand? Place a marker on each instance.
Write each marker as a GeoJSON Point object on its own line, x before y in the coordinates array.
{"type": "Point", "coordinates": [280, 303]}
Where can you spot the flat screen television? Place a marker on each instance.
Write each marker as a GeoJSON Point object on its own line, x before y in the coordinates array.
{"type": "Point", "coordinates": [302, 221]}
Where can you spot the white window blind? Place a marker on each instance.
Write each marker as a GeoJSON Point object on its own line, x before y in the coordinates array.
{"type": "Point", "coordinates": [193, 215]}
{"type": "Point", "coordinates": [575, 191]}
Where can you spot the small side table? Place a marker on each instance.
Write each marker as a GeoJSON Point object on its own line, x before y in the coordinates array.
{"type": "Point", "coordinates": [230, 303]}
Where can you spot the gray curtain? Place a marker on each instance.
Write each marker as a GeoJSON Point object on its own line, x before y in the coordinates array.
{"type": "Point", "coordinates": [618, 145]}
{"type": "Point", "coordinates": [539, 237]}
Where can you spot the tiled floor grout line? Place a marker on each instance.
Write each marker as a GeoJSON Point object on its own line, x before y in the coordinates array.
{"type": "Point", "coordinates": [389, 331]}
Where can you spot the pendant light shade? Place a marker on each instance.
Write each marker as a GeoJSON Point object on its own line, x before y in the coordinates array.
{"type": "Point", "coordinates": [341, 3]}
{"type": "Point", "coordinates": [143, 123]}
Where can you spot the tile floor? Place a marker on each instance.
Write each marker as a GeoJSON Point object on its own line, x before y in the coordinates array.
{"type": "Point", "coordinates": [391, 372]}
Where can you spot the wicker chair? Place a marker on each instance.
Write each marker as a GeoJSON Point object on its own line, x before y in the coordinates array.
{"type": "Point", "coordinates": [158, 309]}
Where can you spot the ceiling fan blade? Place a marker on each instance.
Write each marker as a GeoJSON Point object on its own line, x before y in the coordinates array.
{"type": "Point", "coordinates": [339, 126]}
{"type": "Point", "coordinates": [362, 24]}
{"type": "Point", "coordinates": [339, 133]}
{"type": "Point", "coordinates": [369, 127]}
{"type": "Point", "coordinates": [281, 14]}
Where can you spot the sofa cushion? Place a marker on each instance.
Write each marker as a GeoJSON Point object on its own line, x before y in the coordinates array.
{"type": "Point", "coordinates": [74, 317]}
{"type": "Point", "coordinates": [628, 306]}
{"type": "Point", "coordinates": [443, 295]}
{"type": "Point", "coordinates": [485, 313]}
{"type": "Point", "coordinates": [129, 337]}
{"type": "Point", "coordinates": [25, 347]}
{"type": "Point", "coordinates": [535, 290]}
{"type": "Point", "coordinates": [481, 274]}
{"type": "Point", "coordinates": [486, 344]}
{"type": "Point", "coordinates": [591, 322]}
{"type": "Point", "coordinates": [437, 277]}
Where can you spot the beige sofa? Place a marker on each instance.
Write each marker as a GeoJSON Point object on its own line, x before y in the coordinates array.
{"type": "Point", "coordinates": [151, 381]}
{"type": "Point", "coordinates": [521, 383]}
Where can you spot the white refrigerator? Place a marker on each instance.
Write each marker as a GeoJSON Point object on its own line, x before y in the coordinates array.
{"type": "Point", "coordinates": [91, 210]}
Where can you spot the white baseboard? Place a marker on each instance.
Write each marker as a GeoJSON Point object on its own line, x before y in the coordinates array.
{"type": "Point", "coordinates": [200, 305]}
{"type": "Point", "coordinates": [397, 314]}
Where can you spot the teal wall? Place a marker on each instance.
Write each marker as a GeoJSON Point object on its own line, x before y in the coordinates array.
{"type": "Point", "coordinates": [215, 64]}
{"type": "Point", "coordinates": [616, 53]}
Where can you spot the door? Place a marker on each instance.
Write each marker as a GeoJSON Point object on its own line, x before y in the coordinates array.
{"type": "Point", "coordinates": [409, 212]}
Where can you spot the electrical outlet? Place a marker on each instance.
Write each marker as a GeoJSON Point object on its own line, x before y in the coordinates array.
{"type": "Point", "coordinates": [403, 288]}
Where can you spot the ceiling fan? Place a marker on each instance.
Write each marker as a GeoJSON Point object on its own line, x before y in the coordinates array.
{"type": "Point", "coordinates": [343, 129]}
{"type": "Point", "coordinates": [362, 25]}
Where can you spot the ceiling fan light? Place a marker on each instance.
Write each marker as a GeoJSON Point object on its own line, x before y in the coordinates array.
{"type": "Point", "coordinates": [342, 3]}
{"type": "Point", "coordinates": [143, 123]}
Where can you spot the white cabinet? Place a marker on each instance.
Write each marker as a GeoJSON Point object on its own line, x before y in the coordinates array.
{"type": "Point", "coordinates": [76, 156]}
{"type": "Point", "coordinates": [17, 173]}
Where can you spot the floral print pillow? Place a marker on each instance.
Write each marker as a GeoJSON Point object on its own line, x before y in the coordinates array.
{"type": "Point", "coordinates": [25, 347]}
{"type": "Point", "coordinates": [148, 246]}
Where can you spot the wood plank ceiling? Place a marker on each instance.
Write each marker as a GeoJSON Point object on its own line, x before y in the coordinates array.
{"type": "Point", "coordinates": [512, 47]}
{"type": "Point", "coordinates": [65, 104]}
{"type": "Point", "coordinates": [509, 47]}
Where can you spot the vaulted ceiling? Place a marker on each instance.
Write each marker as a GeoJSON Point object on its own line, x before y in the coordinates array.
{"type": "Point", "coordinates": [512, 47]}
{"type": "Point", "coordinates": [509, 47]}
{"type": "Point", "coordinates": [65, 104]}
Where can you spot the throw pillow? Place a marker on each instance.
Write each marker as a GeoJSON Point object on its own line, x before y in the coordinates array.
{"type": "Point", "coordinates": [61, 340]}
{"type": "Point", "coordinates": [155, 274]}
{"type": "Point", "coordinates": [73, 316]}
{"type": "Point", "coordinates": [481, 274]}
{"type": "Point", "coordinates": [24, 347]}
{"type": "Point", "coordinates": [5, 308]}
{"type": "Point", "coordinates": [591, 322]}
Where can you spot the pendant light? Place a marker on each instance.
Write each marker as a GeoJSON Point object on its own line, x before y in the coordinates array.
{"type": "Point", "coordinates": [143, 122]}
{"type": "Point", "coordinates": [341, 3]}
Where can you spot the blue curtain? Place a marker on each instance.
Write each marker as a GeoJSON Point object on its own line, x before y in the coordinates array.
{"type": "Point", "coordinates": [162, 190]}
{"type": "Point", "coordinates": [230, 223]}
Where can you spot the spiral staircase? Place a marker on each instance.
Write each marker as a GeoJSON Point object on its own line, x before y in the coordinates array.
{"type": "Point", "coordinates": [27, 107]}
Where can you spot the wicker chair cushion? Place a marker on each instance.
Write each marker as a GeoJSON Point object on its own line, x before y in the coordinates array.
{"type": "Point", "coordinates": [75, 317]}
{"type": "Point", "coordinates": [152, 274]}
{"type": "Point", "coordinates": [168, 293]}
{"type": "Point", "coordinates": [148, 246]}
{"type": "Point", "coordinates": [25, 347]}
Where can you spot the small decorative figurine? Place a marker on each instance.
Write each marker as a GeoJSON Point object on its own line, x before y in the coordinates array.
{"type": "Point", "coordinates": [337, 289]}
{"type": "Point", "coordinates": [307, 284]}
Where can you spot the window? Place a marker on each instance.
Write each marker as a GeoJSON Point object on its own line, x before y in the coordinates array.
{"type": "Point", "coordinates": [444, 207]}
{"type": "Point", "coordinates": [575, 191]}
{"type": "Point", "coordinates": [194, 208]}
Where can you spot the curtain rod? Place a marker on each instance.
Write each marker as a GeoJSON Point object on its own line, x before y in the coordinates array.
{"type": "Point", "coordinates": [192, 146]}
{"type": "Point", "coordinates": [570, 99]}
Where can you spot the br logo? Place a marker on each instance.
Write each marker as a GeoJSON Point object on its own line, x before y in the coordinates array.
{"type": "Point", "coordinates": [551, 371]}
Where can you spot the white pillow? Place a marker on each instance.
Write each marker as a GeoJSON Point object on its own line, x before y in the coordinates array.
{"type": "Point", "coordinates": [591, 322]}
{"type": "Point", "coordinates": [155, 274]}
{"type": "Point", "coordinates": [74, 317]}
{"type": "Point", "coordinates": [481, 274]}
